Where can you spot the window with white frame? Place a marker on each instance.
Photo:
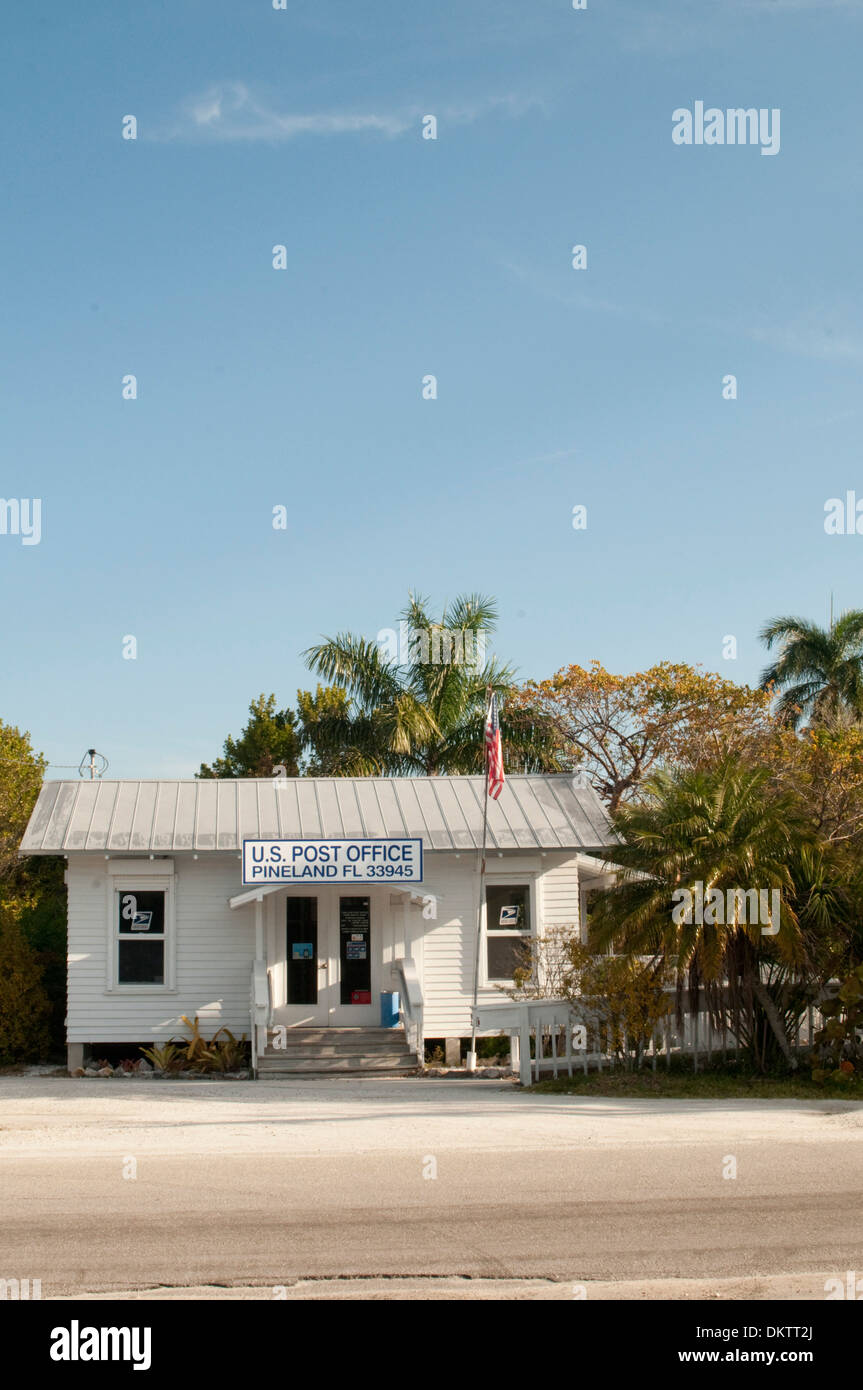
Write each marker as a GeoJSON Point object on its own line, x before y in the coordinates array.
{"type": "Point", "coordinates": [140, 917]}
{"type": "Point", "coordinates": [507, 929]}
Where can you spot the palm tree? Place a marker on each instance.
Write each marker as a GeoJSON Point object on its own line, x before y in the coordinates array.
{"type": "Point", "coordinates": [423, 711]}
{"type": "Point", "coordinates": [819, 670]}
{"type": "Point", "coordinates": [725, 827]}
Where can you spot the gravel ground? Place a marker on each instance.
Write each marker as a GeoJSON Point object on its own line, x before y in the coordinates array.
{"type": "Point", "coordinates": [88, 1116]}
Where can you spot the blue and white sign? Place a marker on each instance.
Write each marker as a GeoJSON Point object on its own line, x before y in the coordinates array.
{"type": "Point", "coordinates": [332, 861]}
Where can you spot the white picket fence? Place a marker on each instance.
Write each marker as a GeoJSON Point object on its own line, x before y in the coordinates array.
{"type": "Point", "coordinates": [560, 1042]}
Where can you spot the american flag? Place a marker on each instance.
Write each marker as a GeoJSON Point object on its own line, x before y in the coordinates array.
{"type": "Point", "coordinates": [493, 751]}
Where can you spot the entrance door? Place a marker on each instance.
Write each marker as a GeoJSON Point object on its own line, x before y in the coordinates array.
{"type": "Point", "coordinates": [306, 964]}
{"type": "Point", "coordinates": [332, 960]}
{"type": "Point", "coordinates": [354, 973]}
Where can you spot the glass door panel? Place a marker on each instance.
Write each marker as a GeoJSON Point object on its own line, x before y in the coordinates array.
{"type": "Point", "coordinates": [355, 956]}
{"type": "Point", "coordinates": [302, 950]}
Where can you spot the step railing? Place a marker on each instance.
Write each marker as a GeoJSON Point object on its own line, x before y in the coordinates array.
{"type": "Point", "coordinates": [410, 1004]}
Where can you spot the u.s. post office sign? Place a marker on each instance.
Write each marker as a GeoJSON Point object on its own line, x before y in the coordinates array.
{"type": "Point", "coordinates": [332, 861]}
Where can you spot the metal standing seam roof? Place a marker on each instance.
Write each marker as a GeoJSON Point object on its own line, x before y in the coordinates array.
{"type": "Point", "coordinates": [532, 812]}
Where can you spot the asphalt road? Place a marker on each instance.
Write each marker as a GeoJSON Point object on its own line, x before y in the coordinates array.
{"type": "Point", "coordinates": [106, 1191]}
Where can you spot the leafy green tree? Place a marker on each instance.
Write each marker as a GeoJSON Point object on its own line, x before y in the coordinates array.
{"type": "Point", "coordinates": [328, 733]}
{"type": "Point", "coordinates": [43, 924]}
{"type": "Point", "coordinates": [423, 711]}
{"type": "Point", "coordinates": [32, 914]}
{"type": "Point", "coordinates": [25, 1008]}
{"type": "Point", "coordinates": [21, 773]}
{"type": "Point", "coordinates": [822, 766]}
{"type": "Point", "coordinates": [725, 827]}
{"type": "Point", "coordinates": [268, 741]}
{"type": "Point", "coordinates": [819, 671]}
{"type": "Point", "coordinates": [313, 741]}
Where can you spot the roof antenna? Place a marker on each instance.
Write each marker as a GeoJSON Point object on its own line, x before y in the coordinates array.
{"type": "Point", "coordinates": [95, 771]}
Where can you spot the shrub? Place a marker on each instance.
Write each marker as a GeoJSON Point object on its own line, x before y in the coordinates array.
{"type": "Point", "coordinates": [196, 1053]}
{"type": "Point", "coordinates": [164, 1056]}
{"type": "Point", "coordinates": [838, 1050]}
{"type": "Point", "coordinates": [227, 1054]}
{"type": "Point", "coordinates": [224, 1052]}
{"type": "Point", "coordinates": [624, 994]}
{"type": "Point", "coordinates": [498, 1046]}
{"type": "Point", "coordinates": [24, 1005]}
{"type": "Point", "coordinates": [628, 996]}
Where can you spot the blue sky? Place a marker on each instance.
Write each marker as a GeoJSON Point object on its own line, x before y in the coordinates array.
{"type": "Point", "coordinates": [409, 257]}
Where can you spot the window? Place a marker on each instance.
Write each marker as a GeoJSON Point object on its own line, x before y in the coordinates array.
{"type": "Point", "coordinates": [140, 917]}
{"type": "Point", "coordinates": [508, 928]}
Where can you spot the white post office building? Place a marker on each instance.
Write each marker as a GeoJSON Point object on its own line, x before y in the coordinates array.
{"type": "Point", "coordinates": [292, 905]}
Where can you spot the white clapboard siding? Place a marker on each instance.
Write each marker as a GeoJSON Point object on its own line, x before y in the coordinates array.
{"type": "Point", "coordinates": [559, 887]}
{"type": "Point", "coordinates": [214, 946]}
{"type": "Point", "coordinates": [214, 953]}
{"type": "Point", "coordinates": [449, 944]}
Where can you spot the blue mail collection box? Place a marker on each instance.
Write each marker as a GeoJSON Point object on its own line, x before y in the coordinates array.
{"type": "Point", "coordinates": [389, 1009]}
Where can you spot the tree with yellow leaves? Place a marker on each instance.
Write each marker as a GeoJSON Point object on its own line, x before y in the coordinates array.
{"type": "Point", "coordinates": [619, 728]}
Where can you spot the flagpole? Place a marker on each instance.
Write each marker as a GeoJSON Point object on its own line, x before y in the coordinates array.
{"type": "Point", "coordinates": [471, 1056]}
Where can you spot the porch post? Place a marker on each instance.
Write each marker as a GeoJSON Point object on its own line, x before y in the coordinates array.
{"type": "Point", "coordinates": [406, 927]}
{"type": "Point", "coordinates": [261, 1037]}
{"type": "Point", "coordinates": [259, 929]}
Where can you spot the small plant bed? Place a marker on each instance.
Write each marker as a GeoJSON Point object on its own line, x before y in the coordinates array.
{"type": "Point", "coordinates": [223, 1058]}
{"type": "Point", "coordinates": [482, 1073]}
{"type": "Point", "coordinates": [713, 1084]}
{"type": "Point", "coordinates": [143, 1071]}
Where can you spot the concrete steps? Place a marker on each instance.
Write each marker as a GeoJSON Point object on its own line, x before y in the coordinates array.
{"type": "Point", "coordinates": [338, 1052]}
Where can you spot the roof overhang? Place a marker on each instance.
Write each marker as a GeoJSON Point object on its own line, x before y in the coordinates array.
{"type": "Point", "coordinates": [254, 895]}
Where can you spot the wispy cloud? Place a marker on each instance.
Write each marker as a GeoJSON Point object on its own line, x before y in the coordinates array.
{"type": "Point", "coordinates": [823, 332]}
{"type": "Point", "coordinates": [542, 285]}
{"type": "Point", "coordinates": [232, 111]}
{"type": "Point", "coordinates": [823, 335]}
{"type": "Point", "coordinates": [687, 24]}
